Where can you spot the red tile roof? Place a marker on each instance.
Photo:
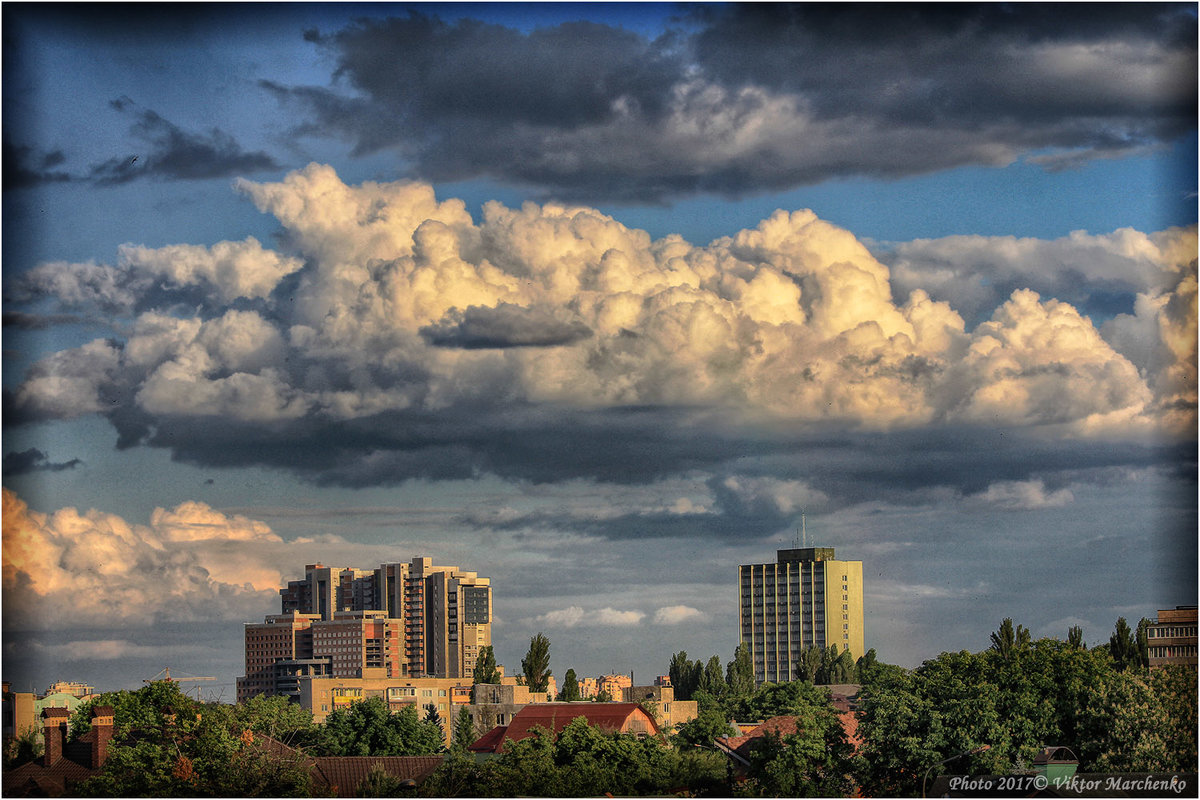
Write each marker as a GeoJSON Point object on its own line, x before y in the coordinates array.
{"type": "Point", "coordinates": [346, 773]}
{"type": "Point", "coordinates": [556, 716]}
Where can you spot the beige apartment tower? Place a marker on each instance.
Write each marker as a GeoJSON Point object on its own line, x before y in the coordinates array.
{"type": "Point", "coordinates": [807, 598]}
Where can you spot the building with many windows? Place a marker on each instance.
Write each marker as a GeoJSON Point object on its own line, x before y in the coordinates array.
{"type": "Point", "coordinates": [408, 620]}
{"type": "Point", "coordinates": [1172, 637]}
{"type": "Point", "coordinates": [806, 599]}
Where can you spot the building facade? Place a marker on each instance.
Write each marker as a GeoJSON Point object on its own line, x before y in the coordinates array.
{"type": "Point", "coordinates": [807, 598]}
{"type": "Point", "coordinates": [1172, 638]}
{"type": "Point", "coordinates": [402, 620]}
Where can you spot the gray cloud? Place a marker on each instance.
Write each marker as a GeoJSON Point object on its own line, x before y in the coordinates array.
{"type": "Point", "coordinates": [34, 460]}
{"type": "Point", "coordinates": [26, 166]}
{"type": "Point", "coordinates": [506, 325]}
{"type": "Point", "coordinates": [741, 99]}
{"type": "Point", "coordinates": [171, 153]}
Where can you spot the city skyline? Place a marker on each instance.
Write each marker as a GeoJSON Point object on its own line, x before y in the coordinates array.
{"type": "Point", "coordinates": [596, 300]}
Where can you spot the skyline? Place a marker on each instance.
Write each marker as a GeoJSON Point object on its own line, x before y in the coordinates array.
{"type": "Point", "coordinates": [594, 301]}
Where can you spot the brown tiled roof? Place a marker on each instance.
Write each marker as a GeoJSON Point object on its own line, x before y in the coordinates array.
{"type": "Point", "coordinates": [36, 779]}
{"type": "Point", "coordinates": [556, 716]}
{"type": "Point", "coordinates": [346, 773]}
{"type": "Point", "coordinates": [490, 741]}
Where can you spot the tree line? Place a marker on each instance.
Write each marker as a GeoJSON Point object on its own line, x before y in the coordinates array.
{"type": "Point", "coordinates": [1016, 696]}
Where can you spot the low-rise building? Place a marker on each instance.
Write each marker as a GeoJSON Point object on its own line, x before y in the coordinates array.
{"type": "Point", "coordinates": [660, 701]}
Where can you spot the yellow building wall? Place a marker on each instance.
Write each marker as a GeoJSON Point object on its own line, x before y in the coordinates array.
{"type": "Point", "coordinates": [844, 626]}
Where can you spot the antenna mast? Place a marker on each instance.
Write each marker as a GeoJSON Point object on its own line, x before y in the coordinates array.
{"type": "Point", "coordinates": [803, 529]}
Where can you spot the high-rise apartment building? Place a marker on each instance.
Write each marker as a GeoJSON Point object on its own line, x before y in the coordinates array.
{"type": "Point", "coordinates": [401, 620]}
{"type": "Point", "coordinates": [806, 599]}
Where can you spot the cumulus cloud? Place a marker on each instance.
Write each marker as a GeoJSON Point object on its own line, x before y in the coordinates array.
{"type": "Point", "coordinates": [974, 274]}
{"type": "Point", "coordinates": [678, 615]}
{"type": "Point", "coordinates": [575, 616]}
{"type": "Point", "coordinates": [416, 341]}
{"type": "Point", "coordinates": [739, 98]}
{"type": "Point", "coordinates": [70, 568]}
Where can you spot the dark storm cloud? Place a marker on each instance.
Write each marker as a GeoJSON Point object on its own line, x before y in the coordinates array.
{"type": "Point", "coordinates": [506, 325]}
{"type": "Point", "coordinates": [753, 97]}
{"type": "Point", "coordinates": [34, 460]}
{"type": "Point", "coordinates": [25, 166]}
{"type": "Point", "coordinates": [172, 153]}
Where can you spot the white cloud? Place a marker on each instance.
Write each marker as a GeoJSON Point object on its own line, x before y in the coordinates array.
{"type": "Point", "coordinates": [793, 321]}
{"type": "Point", "coordinates": [575, 616]}
{"type": "Point", "coordinates": [1022, 496]}
{"type": "Point", "coordinates": [678, 615]}
{"type": "Point", "coordinates": [190, 563]}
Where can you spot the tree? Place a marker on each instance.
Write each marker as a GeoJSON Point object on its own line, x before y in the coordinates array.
{"type": "Point", "coordinates": [570, 689]}
{"type": "Point", "coordinates": [1122, 646]}
{"type": "Point", "coordinates": [1142, 640]}
{"type": "Point", "coordinates": [1075, 637]}
{"type": "Point", "coordinates": [166, 744]}
{"type": "Point", "coordinates": [23, 748]}
{"type": "Point", "coordinates": [707, 726]}
{"type": "Point", "coordinates": [739, 673]}
{"type": "Point", "coordinates": [485, 666]}
{"type": "Point", "coordinates": [379, 783]}
{"type": "Point", "coordinates": [464, 731]}
{"type": "Point", "coordinates": [1174, 685]}
{"type": "Point", "coordinates": [536, 664]}
{"type": "Point", "coordinates": [712, 679]}
{"type": "Point", "coordinates": [685, 675]}
{"type": "Point", "coordinates": [1008, 642]}
{"type": "Point", "coordinates": [366, 728]}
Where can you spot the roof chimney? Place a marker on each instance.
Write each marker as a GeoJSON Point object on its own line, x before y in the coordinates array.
{"type": "Point", "coordinates": [102, 733]}
{"type": "Point", "coordinates": [55, 733]}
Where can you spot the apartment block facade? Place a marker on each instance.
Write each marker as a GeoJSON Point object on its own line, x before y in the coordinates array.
{"type": "Point", "coordinates": [1172, 637]}
{"type": "Point", "coordinates": [409, 620]}
{"type": "Point", "coordinates": [807, 598]}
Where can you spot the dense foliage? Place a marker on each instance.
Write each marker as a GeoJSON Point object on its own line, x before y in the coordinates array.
{"type": "Point", "coordinates": [166, 744]}
{"type": "Point", "coordinates": [486, 670]}
{"type": "Point", "coordinates": [582, 761]}
{"type": "Point", "coordinates": [367, 728]}
{"type": "Point", "coordinates": [1018, 697]}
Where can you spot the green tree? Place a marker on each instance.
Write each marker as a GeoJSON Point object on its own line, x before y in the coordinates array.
{"type": "Point", "coordinates": [1142, 640]}
{"type": "Point", "coordinates": [379, 783]}
{"type": "Point", "coordinates": [1122, 646]}
{"type": "Point", "coordinates": [486, 670]}
{"type": "Point", "coordinates": [536, 664]}
{"type": "Point", "coordinates": [739, 673]}
{"type": "Point", "coordinates": [708, 725]}
{"type": "Point", "coordinates": [366, 728]}
{"type": "Point", "coordinates": [277, 717]}
{"type": "Point", "coordinates": [23, 748]}
{"type": "Point", "coordinates": [165, 744]}
{"type": "Point", "coordinates": [464, 731]}
{"type": "Point", "coordinates": [1174, 686]}
{"type": "Point", "coordinates": [1007, 642]}
{"type": "Point", "coordinates": [1075, 637]}
{"type": "Point", "coordinates": [685, 675]}
{"type": "Point", "coordinates": [712, 679]}
{"type": "Point", "coordinates": [570, 689]}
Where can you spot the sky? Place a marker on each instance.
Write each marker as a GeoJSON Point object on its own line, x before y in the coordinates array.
{"type": "Point", "coordinates": [597, 301]}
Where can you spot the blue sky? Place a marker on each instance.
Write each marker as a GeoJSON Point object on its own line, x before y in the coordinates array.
{"type": "Point", "coordinates": [971, 360]}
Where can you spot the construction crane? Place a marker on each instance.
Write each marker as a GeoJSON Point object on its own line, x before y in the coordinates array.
{"type": "Point", "coordinates": [165, 675]}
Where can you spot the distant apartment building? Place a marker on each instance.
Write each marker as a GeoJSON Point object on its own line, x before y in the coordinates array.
{"type": "Point", "coordinates": [659, 701]}
{"type": "Point", "coordinates": [408, 620]}
{"type": "Point", "coordinates": [1172, 638]}
{"type": "Point", "coordinates": [807, 598]}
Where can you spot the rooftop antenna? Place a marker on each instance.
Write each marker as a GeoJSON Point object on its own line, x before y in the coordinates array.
{"type": "Point", "coordinates": [803, 529]}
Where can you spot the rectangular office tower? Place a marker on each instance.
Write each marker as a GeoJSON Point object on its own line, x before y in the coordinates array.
{"type": "Point", "coordinates": [806, 599]}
